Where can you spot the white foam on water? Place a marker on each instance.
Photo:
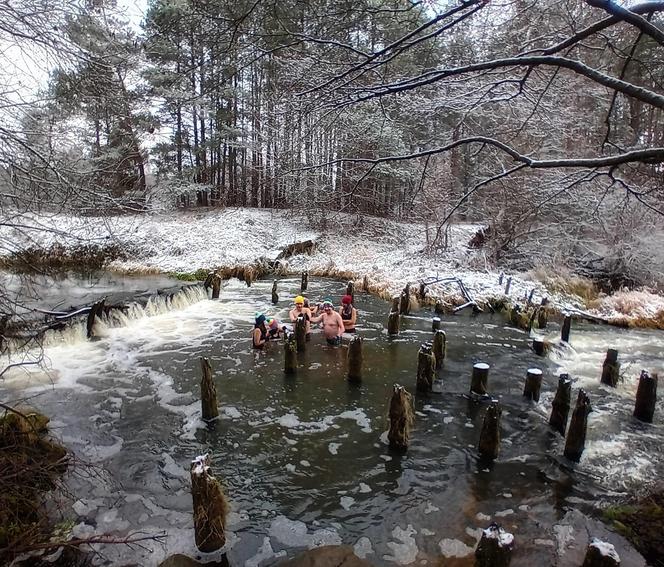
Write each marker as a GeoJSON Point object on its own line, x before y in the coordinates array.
{"type": "Point", "coordinates": [504, 513]}
{"type": "Point", "coordinates": [293, 533]}
{"type": "Point", "coordinates": [429, 508]}
{"type": "Point", "coordinates": [426, 532]}
{"type": "Point", "coordinates": [231, 412]}
{"type": "Point", "coordinates": [305, 463]}
{"type": "Point", "coordinates": [454, 548]}
{"type": "Point", "coordinates": [404, 550]}
{"type": "Point", "coordinates": [431, 409]}
{"type": "Point", "coordinates": [333, 447]}
{"type": "Point", "coordinates": [364, 488]}
{"type": "Point", "coordinates": [363, 547]}
{"type": "Point", "coordinates": [264, 552]}
{"type": "Point", "coordinates": [298, 427]}
{"type": "Point", "coordinates": [347, 502]}
{"type": "Point", "coordinates": [480, 517]}
{"type": "Point", "coordinates": [290, 467]}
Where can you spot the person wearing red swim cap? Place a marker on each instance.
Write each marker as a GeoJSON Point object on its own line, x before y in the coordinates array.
{"type": "Point", "coordinates": [348, 313]}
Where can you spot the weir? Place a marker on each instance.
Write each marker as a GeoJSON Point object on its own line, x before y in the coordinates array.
{"type": "Point", "coordinates": [305, 455]}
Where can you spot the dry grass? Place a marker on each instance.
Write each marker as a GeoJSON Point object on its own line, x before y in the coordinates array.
{"type": "Point", "coordinates": [564, 282]}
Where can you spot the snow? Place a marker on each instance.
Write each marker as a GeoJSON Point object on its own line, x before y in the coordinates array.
{"type": "Point", "coordinates": [390, 254]}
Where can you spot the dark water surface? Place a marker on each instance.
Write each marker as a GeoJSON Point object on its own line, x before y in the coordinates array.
{"type": "Point", "coordinates": [304, 459]}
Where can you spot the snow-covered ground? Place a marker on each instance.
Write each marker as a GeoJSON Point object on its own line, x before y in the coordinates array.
{"type": "Point", "coordinates": [388, 253]}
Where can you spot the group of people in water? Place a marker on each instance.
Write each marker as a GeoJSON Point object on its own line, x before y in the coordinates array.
{"type": "Point", "coordinates": [334, 322]}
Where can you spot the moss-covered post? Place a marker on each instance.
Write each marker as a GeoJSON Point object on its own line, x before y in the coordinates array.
{"type": "Point", "coordinates": [404, 305]}
{"type": "Point", "coordinates": [543, 314]}
{"type": "Point", "coordinates": [301, 333]}
{"type": "Point", "coordinates": [355, 359]}
{"type": "Point", "coordinates": [495, 547]}
{"type": "Point", "coordinates": [576, 436]}
{"type": "Point", "coordinates": [489, 445]}
{"type": "Point", "coordinates": [439, 347]}
{"type": "Point", "coordinates": [531, 389]}
{"type": "Point", "coordinates": [210, 506]}
{"type": "Point", "coordinates": [567, 327]}
{"type": "Point", "coordinates": [275, 295]}
{"type": "Point", "coordinates": [561, 404]}
{"type": "Point", "coordinates": [646, 396]}
{"type": "Point", "coordinates": [401, 418]}
{"type": "Point", "coordinates": [350, 290]}
{"type": "Point", "coordinates": [480, 379]}
{"type": "Point", "coordinates": [208, 392]}
{"type": "Point", "coordinates": [305, 281]}
{"type": "Point", "coordinates": [435, 323]}
{"type": "Point", "coordinates": [601, 554]}
{"type": "Point", "coordinates": [426, 369]}
{"type": "Point", "coordinates": [611, 368]}
{"type": "Point", "coordinates": [290, 353]}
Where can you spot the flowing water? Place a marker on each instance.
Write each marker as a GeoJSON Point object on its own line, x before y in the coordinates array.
{"type": "Point", "coordinates": [304, 459]}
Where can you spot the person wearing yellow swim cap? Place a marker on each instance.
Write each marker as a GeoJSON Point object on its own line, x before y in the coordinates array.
{"type": "Point", "coordinates": [300, 310]}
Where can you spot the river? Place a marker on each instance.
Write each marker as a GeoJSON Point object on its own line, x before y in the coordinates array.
{"type": "Point", "coordinates": [304, 459]}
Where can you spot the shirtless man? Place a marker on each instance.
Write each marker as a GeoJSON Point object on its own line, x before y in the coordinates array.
{"type": "Point", "coordinates": [333, 325]}
{"type": "Point", "coordinates": [298, 310]}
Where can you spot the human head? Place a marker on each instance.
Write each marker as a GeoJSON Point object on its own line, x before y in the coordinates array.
{"type": "Point", "coordinates": [299, 300]}
{"type": "Point", "coordinates": [347, 300]}
{"type": "Point", "coordinates": [327, 303]}
{"type": "Point", "coordinates": [260, 319]}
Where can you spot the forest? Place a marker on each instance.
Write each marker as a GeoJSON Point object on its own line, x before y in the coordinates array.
{"type": "Point", "coordinates": [540, 119]}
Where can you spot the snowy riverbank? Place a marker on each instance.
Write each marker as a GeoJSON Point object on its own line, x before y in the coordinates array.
{"type": "Point", "coordinates": [390, 254]}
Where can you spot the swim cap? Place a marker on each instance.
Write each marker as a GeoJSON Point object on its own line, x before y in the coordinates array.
{"type": "Point", "coordinates": [299, 299]}
{"type": "Point", "coordinates": [347, 299]}
{"type": "Point", "coordinates": [260, 318]}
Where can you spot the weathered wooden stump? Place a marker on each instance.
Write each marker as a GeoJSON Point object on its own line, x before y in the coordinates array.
{"type": "Point", "coordinates": [530, 296]}
{"type": "Point", "coordinates": [275, 295]}
{"type": "Point", "coordinates": [566, 328]}
{"type": "Point", "coordinates": [439, 347]}
{"type": "Point", "coordinates": [611, 368]}
{"type": "Point", "coordinates": [495, 547]}
{"type": "Point", "coordinates": [422, 291]}
{"type": "Point", "coordinates": [210, 506]}
{"type": "Point", "coordinates": [480, 379]}
{"type": "Point", "coordinates": [290, 353]}
{"type": "Point", "coordinates": [208, 392]}
{"type": "Point", "coordinates": [350, 290]}
{"type": "Point", "coordinates": [426, 369]}
{"type": "Point", "coordinates": [365, 283]}
{"type": "Point", "coordinates": [540, 347]}
{"type": "Point", "coordinates": [531, 389]}
{"type": "Point", "coordinates": [396, 303]}
{"type": "Point", "coordinates": [404, 303]}
{"type": "Point", "coordinates": [301, 333]}
{"type": "Point", "coordinates": [355, 359]}
{"type": "Point", "coordinates": [508, 285]}
{"type": "Point", "coordinates": [216, 286]}
{"type": "Point", "coordinates": [393, 323]}
{"type": "Point", "coordinates": [561, 404]}
{"type": "Point", "coordinates": [305, 281]}
{"type": "Point", "coordinates": [576, 435]}
{"type": "Point", "coordinates": [646, 397]}
{"type": "Point", "coordinates": [543, 314]}
{"type": "Point", "coordinates": [500, 278]}
{"type": "Point", "coordinates": [601, 554]}
{"type": "Point", "coordinates": [435, 323]}
{"type": "Point", "coordinates": [401, 418]}
{"type": "Point", "coordinates": [489, 445]}
{"type": "Point", "coordinates": [95, 311]}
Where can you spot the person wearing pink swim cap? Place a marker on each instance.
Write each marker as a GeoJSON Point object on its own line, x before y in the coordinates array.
{"type": "Point", "coordinates": [348, 313]}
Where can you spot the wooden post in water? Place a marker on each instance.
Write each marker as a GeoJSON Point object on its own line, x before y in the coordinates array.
{"type": "Point", "coordinates": [396, 302]}
{"type": "Point", "coordinates": [401, 418]}
{"type": "Point", "coordinates": [435, 323]}
{"type": "Point", "coordinates": [301, 333]}
{"type": "Point", "coordinates": [393, 318]}
{"type": "Point", "coordinates": [507, 285]}
{"type": "Point", "coordinates": [576, 435]}
{"type": "Point", "coordinates": [530, 296]}
{"type": "Point", "coordinates": [404, 307]}
{"type": "Point", "coordinates": [95, 311]}
{"type": "Point", "coordinates": [439, 347]}
{"type": "Point", "coordinates": [426, 368]}
{"type": "Point", "coordinates": [489, 445]}
{"type": "Point", "coordinates": [561, 404]}
{"type": "Point", "coordinates": [275, 295]}
{"type": "Point", "coordinates": [216, 286]}
{"type": "Point", "coordinates": [601, 554]}
{"type": "Point", "coordinates": [531, 389]}
{"type": "Point", "coordinates": [495, 547]}
{"type": "Point", "coordinates": [350, 290]}
{"type": "Point", "coordinates": [611, 368]}
{"type": "Point", "coordinates": [423, 291]}
{"type": "Point", "coordinates": [543, 314]}
{"type": "Point", "coordinates": [355, 359]}
{"type": "Point", "coordinates": [646, 396]}
{"type": "Point", "coordinates": [567, 327]}
{"type": "Point", "coordinates": [209, 407]}
{"type": "Point", "coordinates": [500, 278]}
{"type": "Point", "coordinates": [539, 346]}
{"type": "Point", "coordinates": [480, 379]}
{"type": "Point", "coordinates": [365, 283]}
{"type": "Point", "coordinates": [305, 281]}
{"type": "Point", "coordinates": [210, 506]}
{"type": "Point", "coordinates": [290, 353]}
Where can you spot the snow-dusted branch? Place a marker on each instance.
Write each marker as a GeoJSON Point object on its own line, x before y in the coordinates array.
{"type": "Point", "coordinates": [630, 17]}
